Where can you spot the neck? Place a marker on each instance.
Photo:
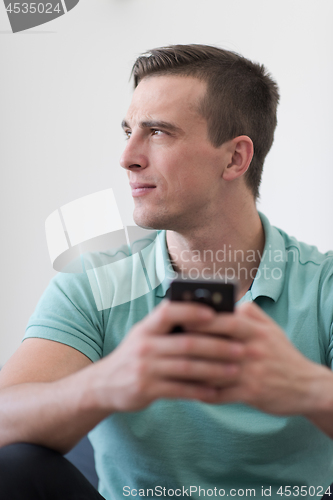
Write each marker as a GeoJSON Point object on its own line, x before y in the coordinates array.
{"type": "Point", "coordinates": [230, 247]}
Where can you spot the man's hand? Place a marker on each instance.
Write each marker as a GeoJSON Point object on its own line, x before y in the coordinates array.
{"type": "Point", "coordinates": [273, 375]}
{"type": "Point", "coordinates": [150, 363]}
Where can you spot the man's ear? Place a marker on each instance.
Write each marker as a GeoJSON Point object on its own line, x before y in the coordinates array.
{"type": "Point", "coordinates": [241, 149]}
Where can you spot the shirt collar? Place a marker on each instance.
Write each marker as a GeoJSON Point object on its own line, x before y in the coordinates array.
{"type": "Point", "coordinates": [163, 266]}
{"type": "Point", "coordinates": [269, 279]}
{"type": "Point", "coordinates": [270, 276]}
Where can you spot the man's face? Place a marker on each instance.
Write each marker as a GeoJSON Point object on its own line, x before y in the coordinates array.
{"type": "Point", "coordinates": [173, 169]}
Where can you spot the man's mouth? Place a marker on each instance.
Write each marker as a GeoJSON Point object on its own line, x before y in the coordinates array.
{"type": "Point", "coordinates": [140, 188]}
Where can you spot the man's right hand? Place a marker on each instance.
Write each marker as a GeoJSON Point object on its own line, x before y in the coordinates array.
{"type": "Point", "coordinates": [150, 364]}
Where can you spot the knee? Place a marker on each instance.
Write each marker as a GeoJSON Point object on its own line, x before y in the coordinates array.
{"type": "Point", "coordinates": [22, 464]}
{"type": "Point", "coordinates": [29, 471]}
{"type": "Point", "coordinates": [24, 455]}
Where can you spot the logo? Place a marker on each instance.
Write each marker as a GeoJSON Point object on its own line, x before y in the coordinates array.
{"type": "Point", "coordinates": [88, 236]}
{"type": "Point", "coordinates": [27, 14]}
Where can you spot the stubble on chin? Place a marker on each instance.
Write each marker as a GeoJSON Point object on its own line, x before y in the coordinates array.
{"type": "Point", "coordinates": [152, 219]}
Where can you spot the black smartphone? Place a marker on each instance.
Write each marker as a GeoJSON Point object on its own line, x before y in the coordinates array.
{"type": "Point", "coordinates": [215, 293]}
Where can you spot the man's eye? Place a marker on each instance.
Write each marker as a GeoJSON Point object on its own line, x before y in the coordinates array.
{"type": "Point", "coordinates": [156, 131]}
{"type": "Point", "coordinates": [127, 134]}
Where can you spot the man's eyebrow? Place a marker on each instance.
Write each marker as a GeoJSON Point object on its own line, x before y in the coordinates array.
{"type": "Point", "coordinates": [155, 124]}
{"type": "Point", "coordinates": [160, 124]}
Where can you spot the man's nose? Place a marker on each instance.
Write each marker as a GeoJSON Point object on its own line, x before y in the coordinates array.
{"type": "Point", "coordinates": [133, 157]}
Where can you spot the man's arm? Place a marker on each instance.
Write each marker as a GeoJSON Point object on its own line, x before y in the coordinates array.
{"type": "Point", "coordinates": [51, 394]}
{"type": "Point", "coordinates": [44, 396]}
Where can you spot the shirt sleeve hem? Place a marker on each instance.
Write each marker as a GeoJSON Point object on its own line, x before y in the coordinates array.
{"type": "Point", "coordinates": [63, 338]}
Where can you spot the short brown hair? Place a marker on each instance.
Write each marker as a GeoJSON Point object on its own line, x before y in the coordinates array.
{"type": "Point", "coordinates": [241, 96]}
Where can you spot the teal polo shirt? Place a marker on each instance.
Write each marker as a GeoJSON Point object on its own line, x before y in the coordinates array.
{"type": "Point", "coordinates": [188, 448]}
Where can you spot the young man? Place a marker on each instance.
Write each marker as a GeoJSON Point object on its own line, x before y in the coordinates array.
{"type": "Point", "coordinates": [240, 405]}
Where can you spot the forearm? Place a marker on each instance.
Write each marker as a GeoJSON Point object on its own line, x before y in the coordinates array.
{"type": "Point", "coordinates": [56, 414]}
{"type": "Point", "coordinates": [320, 412]}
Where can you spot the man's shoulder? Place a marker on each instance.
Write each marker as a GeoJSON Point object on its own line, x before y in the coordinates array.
{"type": "Point", "coordinates": [294, 255]}
{"type": "Point", "coordinates": [306, 253]}
{"type": "Point", "coordinates": [126, 273]}
{"type": "Point", "coordinates": [307, 263]}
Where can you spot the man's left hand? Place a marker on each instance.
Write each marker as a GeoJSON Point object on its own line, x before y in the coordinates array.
{"type": "Point", "coordinates": [273, 375]}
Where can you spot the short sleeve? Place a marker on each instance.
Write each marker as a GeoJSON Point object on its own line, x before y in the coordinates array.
{"type": "Point", "coordinates": [326, 307]}
{"type": "Point", "coordinates": [67, 313]}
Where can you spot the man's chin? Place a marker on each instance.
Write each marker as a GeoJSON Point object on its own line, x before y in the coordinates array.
{"type": "Point", "coordinates": [147, 222]}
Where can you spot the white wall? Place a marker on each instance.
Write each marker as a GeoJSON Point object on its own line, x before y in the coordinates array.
{"type": "Point", "coordinates": [64, 90]}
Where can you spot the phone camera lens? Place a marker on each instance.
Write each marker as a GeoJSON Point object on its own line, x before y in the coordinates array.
{"type": "Point", "coordinates": [217, 297]}
{"type": "Point", "coordinates": [202, 294]}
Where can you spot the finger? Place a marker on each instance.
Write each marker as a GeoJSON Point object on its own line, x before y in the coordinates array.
{"type": "Point", "coordinates": [184, 390]}
{"type": "Point", "coordinates": [168, 314]}
{"type": "Point", "coordinates": [225, 395]}
{"type": "Point", "coordinates": [233, 325]}
{"type": "Point", "coordinates": [206, 372]}
{"type": "Point", "coordinates": [200, 346]}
